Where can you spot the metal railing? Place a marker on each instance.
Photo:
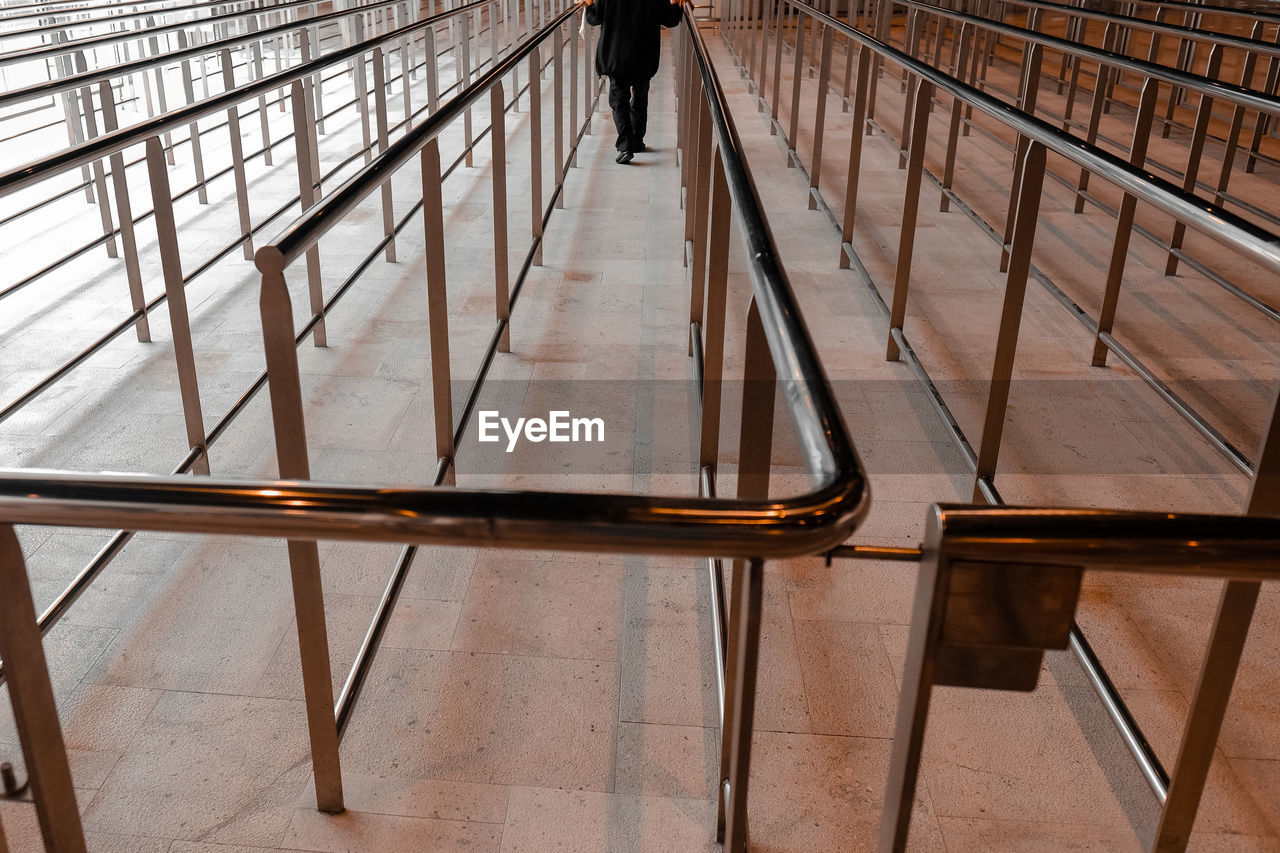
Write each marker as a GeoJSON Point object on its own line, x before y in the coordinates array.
{"type": "Point", "coordinates": [1109, 67]}
{"type": "Point", "coordinates": [52, 10]}
{"type": "Point", "coordinates": [112, 145]}
{"type": "Point", "coordinates": [1112, 62]}
{"type": "Point", "coordinates": [1036, 138]}
{"type": "Point", "coordinates": [218, 22]}
{"type": "Point", "coordinates": [749, 528]}
{"type": "Point", "coordinates": [175, 284]}
{"type": "Point", "coordinates": [999, 587]}
{"type": "Point", "coordinates": [218, 15]}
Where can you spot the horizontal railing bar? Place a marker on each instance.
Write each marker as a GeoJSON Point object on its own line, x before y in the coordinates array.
{"type": "Point", "coordinates": [555, 521]}
{"type": "Point", "coordinates": [1149, 765]}
{"type": "Point", "coordinates": [877, 552]}
{"type": "Point", "coordinates": [1246, 547]}
{"type": "Point", "coordinates": [363, 662]}
{"type": "Point", "coordinates": [719, 622]}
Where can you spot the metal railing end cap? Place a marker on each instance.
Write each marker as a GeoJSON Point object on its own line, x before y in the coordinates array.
{"type": "Point", "coordinates": [269, 260]}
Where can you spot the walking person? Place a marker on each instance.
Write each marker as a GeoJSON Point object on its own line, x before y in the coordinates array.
{"type": "Point", "coordinates": [628, 55]}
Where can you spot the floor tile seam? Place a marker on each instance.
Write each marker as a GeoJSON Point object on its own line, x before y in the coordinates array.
{"type": "Point", "coordinates": [523, 656]}
{"type": "Point", "coordinates": [418, 817]}
{"type": "Point", "coordinates": [1121, 824]}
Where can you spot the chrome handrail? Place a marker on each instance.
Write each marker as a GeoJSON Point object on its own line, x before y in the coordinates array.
{"type": "Point", "coordinates": [109, 143]}
{"type": "Point", "coordinates": [1243, 547]}
{"type": "Point", "coordinates": [555, 521]}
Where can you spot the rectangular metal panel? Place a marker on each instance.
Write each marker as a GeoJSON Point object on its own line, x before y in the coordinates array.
{"type": "Point", "coordinates": [1010, 605]}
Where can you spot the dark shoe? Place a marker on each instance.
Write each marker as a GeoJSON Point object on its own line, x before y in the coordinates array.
{"type": "Point", "coordinates": [624, 158]}
{"type": "Point", "coordinates": [638, 148]}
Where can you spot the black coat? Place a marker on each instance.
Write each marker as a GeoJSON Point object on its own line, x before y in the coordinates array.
{"type": "Point", "coordinates": [629, 41]}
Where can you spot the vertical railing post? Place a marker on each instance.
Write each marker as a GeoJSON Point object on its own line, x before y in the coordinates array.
{"type": "Point", "coordinates": [237, 158]}
{"type": "Point", "coordinates": [437, 304]}
{"type": "Point", "coordinates": [925, 637]}
{"type": "Point", "coordinates": [289, 425]}
{"type": "Point", "coordinates": [433, 71]}
{"type": "Point", "coordinates": [99, 174]}
{"type": "Point", "coordinates": [307, 197]}
{"type": "Point", "coordinates": [315, 85]}
{"type": "Point", "coordinates": [1024, 235]}
{"type": "Point", "coordinates": [848, 74]}
{"type": "Point", "coordinates": [535, 153]}
{"type": "Point", "coordinates": [1220, 664]}
{"type": "Point", "coordinates": [855, 155]}
{"type": "Point", "coordinates": [35, 711]}
{"type": "Point", "coordinates": [1095, 113]}
{"type": "Point", "coordinates": [819, 121]}
{"type": "Point", "coordinates": [193, 129]}
{"type": "Point", "coordinates": [557, 86]}
{"type": "Point", "coordinates": [406, 71]}
{"type": "Point", "coordinates": [380, 115]}
{"type": "Point", "coordinates": [501, 272]}
{"type": "Point", "coordinates": [1201, 129]}
{"type": "Point", "coordinates": [1124, 221]}
{"type": "Point", "coordinates": [176, 293]}
{"type": "Point", "coordinates": [953, 129]}
{"type": "Point", "coordinates": [1073, 84]}
{"type": "Point", "coordinates": [793, 131]}
{"type": "Point", "coordinates": [573, 89]}
{"type": "Point", "coordinates": [464, 80]}
{"type": "Point", "coordinates": [255, 53]}
{"type": "Point", "coordinates": [714, 324]}
{"type": "Point", "coordinates": [128, 238]}
{"type": "Point", "coordinates": [699, 205]}
{"type": "Point", "coordinates": [743, 642]}
{"type": "Point", "coordinates": [1237, 122]}
{"type": "Point", "coordinates": [779, 30]}
{"type": "Point", "coordinates": [589, 94]}
{"type": "Point", "coordinates": [767, 11]}
{"type": "Point", "coordinates": [1263, 122]}
{"type": "Point", "coordinates": [1030, 87]}
{"type": "Point", "coordinates": [910, 208]}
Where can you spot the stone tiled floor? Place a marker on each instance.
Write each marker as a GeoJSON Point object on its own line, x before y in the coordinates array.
{"type": "Point", "coordinates": [538, 701]}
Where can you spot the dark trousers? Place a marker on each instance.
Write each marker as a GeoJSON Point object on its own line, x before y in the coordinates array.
{"type": "Point", "coordinates": [629, 100]}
